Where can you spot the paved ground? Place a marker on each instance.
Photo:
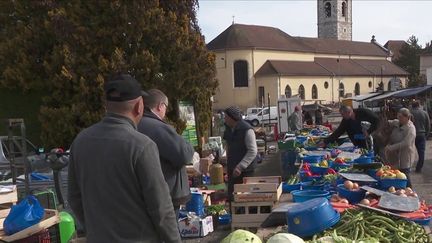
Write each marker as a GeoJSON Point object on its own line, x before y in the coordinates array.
{"type": "Point", "coordinates": [422, 183]}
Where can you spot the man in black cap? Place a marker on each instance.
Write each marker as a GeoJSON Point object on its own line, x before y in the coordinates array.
{"type": "Point", "coordinates": [116, 186]}
{"type": "Point", "coordinates": [241, 148]}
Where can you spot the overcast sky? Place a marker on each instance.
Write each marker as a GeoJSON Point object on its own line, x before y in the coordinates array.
{"type": "Point", "coordinates": [387, 20]}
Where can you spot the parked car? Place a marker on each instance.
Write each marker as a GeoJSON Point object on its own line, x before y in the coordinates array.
{"type": "Point", "coordinates": [35, 161]}
{"type": "Point", "coordinates": [263, 116]}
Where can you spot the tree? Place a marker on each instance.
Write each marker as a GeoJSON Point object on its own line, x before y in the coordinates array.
{"type": "Point", "coordinates": [80, 43]}
{"type": "Point", "coordinates": [409, 60]}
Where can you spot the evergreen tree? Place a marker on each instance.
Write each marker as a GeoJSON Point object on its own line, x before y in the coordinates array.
{"type": "Point", "coordinates": [410, 61]}
{"type": "Point", "coordinates": [80, 43]}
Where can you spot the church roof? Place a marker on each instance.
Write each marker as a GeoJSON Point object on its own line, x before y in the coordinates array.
{"type": "Point", "coordinates": [292, 68]}
{"type": "Point", "coordinates": [329, 67]}
{"type": "Point", "coordinates": [388, 68]}
{"type": "Point", "coordinates": [241, 36]}
{"type": "Point", "coordinates": [343, 47]}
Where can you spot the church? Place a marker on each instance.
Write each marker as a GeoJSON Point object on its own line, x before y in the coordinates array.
{"type": "Point", "coordinates": [255, 64]}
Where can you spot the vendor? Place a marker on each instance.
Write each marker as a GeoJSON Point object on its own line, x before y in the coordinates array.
{"type": "Point", "coordinates": [351, 124]}
{"type": "Point", "coordinates": [241, 148]}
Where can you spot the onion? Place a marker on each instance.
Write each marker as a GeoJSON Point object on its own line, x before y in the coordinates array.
{"type": "Point", "coordinates": [348, 185]}
{"type": "Point", "coordinates": [344, 201]}
{"type": "Point", "coordinates": [365, 202]}
{"type": "Point", "coordinates": [334, 198]}
{"type": "Point", "coordinates": [392, 189]}
{"type": "Point", "coordinates": [408, 189]}
{"type": "Point", "coordinates": [403, 195]}
{"type": "Point", "coordinates": [355, 186]}
{"type": "Point", "coordinates": [402, 191]}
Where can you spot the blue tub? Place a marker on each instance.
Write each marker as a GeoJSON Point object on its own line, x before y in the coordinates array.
{"type": "Point", "coordinates": [316, 186]}
{"type": "Point", "coordinates": [352, 196]}
{"type": "Point", "coordinates": [289, 188]}
{"type": "Point", "coordinates": [425, 221]}
{"type": "Point", "coordinates": [311, 217]}
{"type": "Point", "coordinates": [364, 160]}
{"type": "Point", "coordinates": [385, 184]}
{"type": "Point", "coordinates": [305, 195]}
{"type": "Point", "coordinates": [224, 219]}
{"type": "Point", "coordinates": [312, 159]}
{"type": "Point", "coordinates": [318, 169]}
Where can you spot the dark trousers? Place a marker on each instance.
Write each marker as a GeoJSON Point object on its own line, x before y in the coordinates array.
{"type": "Point", "coordinates": [407, 173]}
{"type": "Point", "coordinates": [420, 143]}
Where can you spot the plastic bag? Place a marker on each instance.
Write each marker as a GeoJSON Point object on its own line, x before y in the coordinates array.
{"type": "Point", "coordinates": [23, 215]}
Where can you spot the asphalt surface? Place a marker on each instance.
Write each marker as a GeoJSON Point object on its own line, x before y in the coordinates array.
{"type": "Point", "coordinates": [422, 184]}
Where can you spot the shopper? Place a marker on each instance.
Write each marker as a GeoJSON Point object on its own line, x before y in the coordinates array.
{"type": "Point", "coordinates": [295, 120]}
{"type": "Point", "coordinates": [174, 151]}
{"type": "Point", "coordinates": [319, 116]}
{"type": "Point", "coordinates": [401, 151]}
{"type": "Point", "coordinates": [241, 148]}
{"type": "Point", "coordinates": [116, 186]}
{"type": "Point", "coordinates": [422, 124]}
{"type": "Point", "coordinates": [307, 118]}
{"type": "Point", "coordinates": [351, 124]}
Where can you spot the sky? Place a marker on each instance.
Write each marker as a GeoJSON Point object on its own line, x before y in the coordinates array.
{"type": "Point", "coordinates": [387, 20]}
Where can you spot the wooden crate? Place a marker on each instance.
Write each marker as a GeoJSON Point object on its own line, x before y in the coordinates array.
{"type": "Point", "coordinates": [8, 199]}
{"type": "Point", "coordinates": [258, 189]}
{"type": "Point", "coordinates": [50, 218]}
{"type": "Point", "coordinates": [249, 214]}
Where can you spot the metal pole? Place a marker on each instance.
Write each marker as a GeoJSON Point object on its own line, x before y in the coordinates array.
{"type": "Point", "coordinates": [268, 104]}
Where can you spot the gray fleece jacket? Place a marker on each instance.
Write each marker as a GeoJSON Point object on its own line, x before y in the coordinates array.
{"type": "Point", "coordinates": [116, 186]}
{"type": "Point", "coordinates": [174, 154]}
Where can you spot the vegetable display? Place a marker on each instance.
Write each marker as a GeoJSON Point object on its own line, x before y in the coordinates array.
{"type": "Point", "coordinates": [365, 225]}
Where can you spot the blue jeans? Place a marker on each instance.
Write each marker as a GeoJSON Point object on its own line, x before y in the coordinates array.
{"type": "Point", "coordinates": [420, 143]}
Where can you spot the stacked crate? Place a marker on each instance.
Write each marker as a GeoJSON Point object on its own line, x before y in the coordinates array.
{"type": "Point", "coordinates": [254, 200]}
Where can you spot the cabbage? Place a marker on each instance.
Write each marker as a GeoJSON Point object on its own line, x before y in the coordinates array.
{"type": "Point", "coordinates": [285, 238]}
{"type": "Point", "coordinates": [241, 236]}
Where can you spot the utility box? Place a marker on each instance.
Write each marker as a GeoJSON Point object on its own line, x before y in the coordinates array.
{"type": "Point", "coordinates": [285, 109]}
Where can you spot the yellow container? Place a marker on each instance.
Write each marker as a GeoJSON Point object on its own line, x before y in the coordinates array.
{"type": "Point", "coordinates": [216, 174]}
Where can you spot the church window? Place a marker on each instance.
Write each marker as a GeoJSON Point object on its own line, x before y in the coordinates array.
{"type": "Point", "coordinates": [314, 92]}
{"type": "Point", "coordinates": [301, 92]}
{"type": "Point", "coordinates": [357, 89]}
{"type": "Point", "coordinates": [288, 93]}
{"type": "Point", "coordinates": [326, 85]}
{"type": "Point", "coordinates": [327, 9]}
{"type": "Point", "coordinates": [344, 9]}
{"type": "Point", "coordinates": [341, 90]}
{"type": "Point", "coordinates": [370, 84]}
{"type": "Point", "coordinates": [240, 73]}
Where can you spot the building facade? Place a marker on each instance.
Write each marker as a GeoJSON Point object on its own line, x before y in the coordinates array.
{"type": "Point", "coordinates": [255, 63]}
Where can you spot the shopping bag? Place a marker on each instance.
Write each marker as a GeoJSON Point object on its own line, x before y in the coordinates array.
{"type": "Point", "coordinates": [23, 215]}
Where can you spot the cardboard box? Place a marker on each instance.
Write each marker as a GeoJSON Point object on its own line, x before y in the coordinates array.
{"type": "Point", "coordinates": [196, 227]}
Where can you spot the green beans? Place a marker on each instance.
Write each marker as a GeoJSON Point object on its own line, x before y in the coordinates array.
{"type": "Point", "coordinates": [368, 226]}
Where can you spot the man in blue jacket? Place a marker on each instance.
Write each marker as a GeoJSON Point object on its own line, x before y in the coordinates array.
{"type": "Point", "coordinates": [116, 186]}
{"type": "Point", "coordinates": [174, 151]}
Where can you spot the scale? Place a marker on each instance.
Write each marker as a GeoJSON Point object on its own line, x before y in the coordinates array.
{"type": "Point", "coordinates": [394, 202]}
{"type": "Point", "coordinates": [358, 177]}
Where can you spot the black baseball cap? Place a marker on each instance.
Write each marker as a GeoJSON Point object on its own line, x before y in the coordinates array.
{"type": "Point", "coordinates": [123, 87]}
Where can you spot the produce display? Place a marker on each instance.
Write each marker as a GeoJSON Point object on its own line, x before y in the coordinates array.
{"type": "Point", "coordinates": [369, 226]}
{"type": "Point", "coordinates": [387, 173]}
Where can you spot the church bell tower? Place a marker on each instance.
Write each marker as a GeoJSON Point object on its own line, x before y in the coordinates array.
{"type": "Point", "coordinates": [335, 19]}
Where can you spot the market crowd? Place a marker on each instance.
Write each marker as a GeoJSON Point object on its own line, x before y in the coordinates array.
{"type": "Point", "coordinates": [127, 176]}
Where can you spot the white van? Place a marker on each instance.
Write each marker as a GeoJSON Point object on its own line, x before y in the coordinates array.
{"type": "Point", "coordinates": [263, 116]}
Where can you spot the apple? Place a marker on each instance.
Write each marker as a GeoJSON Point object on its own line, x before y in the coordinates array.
{"type": "Point", "coordinates": [401, 175]}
